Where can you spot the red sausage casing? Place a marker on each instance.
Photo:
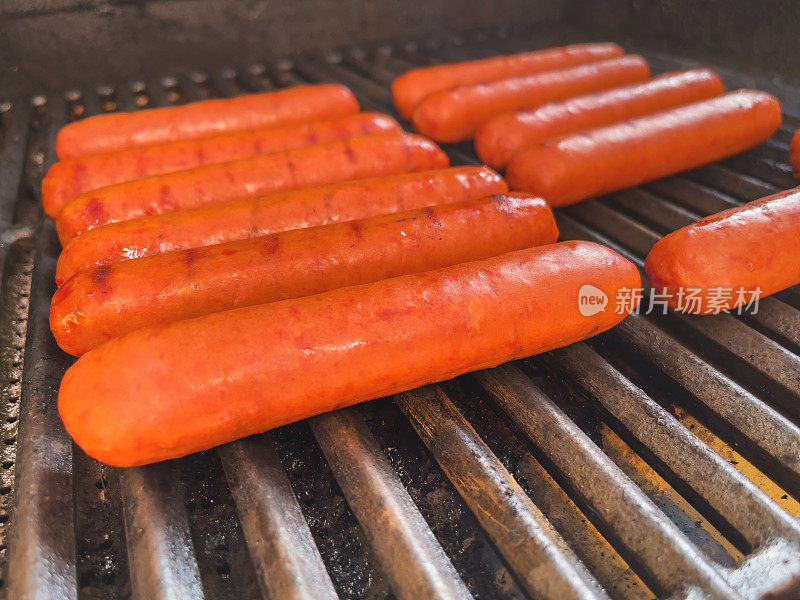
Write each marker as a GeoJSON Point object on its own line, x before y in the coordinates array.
{"type": "Point", "coordinates": [231, 374]}
{"type": "Point", "coordinates": [410, 88]}
{"type": "Point", "coordinates": [574, 167]}
{"type": "Point", "coordinates": [67, 179]}
{"type": "Point", "coordinates": [105, 302]}
{"type": "Point", "coordinates": [499, 138]}
{"type": "Point", "coordinates": [116, 131]}
{"type": "Point", "coordinates": [794, 154]}
{"type": "Point", "coordinates": [750, 247]}
{"type": "Point", "coordinates": [454, 115]}
{"type": "Point", "coordinates": [273, 213]}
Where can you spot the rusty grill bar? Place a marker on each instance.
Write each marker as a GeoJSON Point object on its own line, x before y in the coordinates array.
{"type": "Point", "coordinates": [661, 458]}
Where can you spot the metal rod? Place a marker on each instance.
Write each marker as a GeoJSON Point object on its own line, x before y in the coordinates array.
{"type": "Point", "coordinates": [651, 540]}
{"type": "Point", "coordinates": [407, 550]}
{"type": "Point", "coordinates": [161, 556]}
{"type": "Point", "coordinates": [287, 562]}
{"type": "Point", "coordinates": [541, 560]}
{"type": "Point", "coordinates": [41, 559]}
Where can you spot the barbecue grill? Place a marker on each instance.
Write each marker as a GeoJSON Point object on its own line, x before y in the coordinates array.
{"type": "Point", "coordinates": [659, 459]}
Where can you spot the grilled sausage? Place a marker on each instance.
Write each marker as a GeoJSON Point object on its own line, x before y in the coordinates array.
{"type": "Point", "coordinates": [67, 179]}
{"type": "Point", "coordinates": [498, 139]}
{"type": "Point", "coordinates": [105, 302]}
{"type": "Point", "coordinates": [231, 374]}
{"type": "Point", "coordinates": [582, 165]}
{"type": "Point", "coordinates": [410, 88]}
{"type": "Point", "coordinates": [794, 154]}
{"type": "Point", "coordinates": [355, 158]}
{"type": "Point", "coordinates": [281, 211]}
{"type": "Point", "coordinates": [454, 115]}
{"type": "Point", "coordinates": [731, 258]}
{"type": "Point", "coordinates": [118, 131]}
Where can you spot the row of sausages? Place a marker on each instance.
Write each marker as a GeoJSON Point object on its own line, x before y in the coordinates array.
{"type": "Point", "coordinates": [234, 265]}
{"type": "Point", "coordinates": [216, 286]}
{"type": "Point", "coordinates": [526, 119]}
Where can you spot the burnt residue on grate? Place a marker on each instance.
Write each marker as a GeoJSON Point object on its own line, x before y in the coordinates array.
{"type": "Point", "coordinates": [661, 458]}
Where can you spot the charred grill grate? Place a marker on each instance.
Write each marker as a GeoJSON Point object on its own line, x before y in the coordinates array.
{"type": "Point", "coordinates": [661, 458]}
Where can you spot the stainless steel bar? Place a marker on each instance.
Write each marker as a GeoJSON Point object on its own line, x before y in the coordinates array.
{"type": "Point", "coordinates": [763, 426]}
{"type": "Point", "coordinates": [536, 553]}
{"type": "Point", "coordinates": [763, 355]}
{"type": "Point", "coordinates": [41, 544]}
{"type": "Point", "coordinates": [407, 550]}
{"type": "Point", "coordinates": [286, 559]}
{"type": "Point", "coordinates": [746, 508]}
{"type": "Point", "coordinates": [161, 555]}
{"type": "Point", "coordinates": [15, 117]}
{"type": "Point", "coordinates": [672, 563]}
{"type": "Point", "coordinates": [696, 196]}
{"type": "Point", "coordinates": [741, 186]}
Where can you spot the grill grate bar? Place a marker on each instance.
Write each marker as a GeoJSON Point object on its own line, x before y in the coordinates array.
{"type": "Point", "coordinates": [161, 556]}
{"type": "Point", "coordinates": [693, 195]}
{"type": "Point", "coordinates": [410, 555]}
{"type": "Point", "coordinates": [650, 538]}
{"type": "Point", "coordinates": [41, 555]}
{"type": "Point", "coordinates": [654, 212]}
{"type": "Point", "coordinates": [724, 488]}
{"type": "Point", "coordinates": [740, 186]}
{"type": "Point", "coordinates": [542, 561]}
{"type": "Point", "coordinates": [772, 433]}
{"type": "Point", "coordinates": [14, 123]}
{"type": "Point", "coordinates": [41, 547]}
{"type": "Point", "coordinates": [286, 559]}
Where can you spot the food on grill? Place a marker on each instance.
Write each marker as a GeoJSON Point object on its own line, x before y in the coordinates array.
{"type": "Point", "coordinates": [453, 115]}
{"type": "Point", "coordinates": [498, 139]}
{"type": "Point", "coordinates": [794, 154]}
{"type": "Point", "coordinates": [577, 166]}
{"type": "Point", "coordinates": [355, 158]}
{"type": "Point", "coordinates": [67, 179]}
{"type": "Point", "coordinates": [281, 211]}
{"type": "Point", "coordinates": [117, 131]}
{"type": "Point", "coordinates": [410, 88]}
{"type": "Point", "coordinates": [169, 390]}
{"type": "Point", "coordinates": [105, 302]}
{"type": "Point", "coordinates": [731, 258]}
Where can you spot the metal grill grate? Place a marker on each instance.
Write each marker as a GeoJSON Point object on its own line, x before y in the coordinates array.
{"type": "Point", "coordinates": [661, 458]}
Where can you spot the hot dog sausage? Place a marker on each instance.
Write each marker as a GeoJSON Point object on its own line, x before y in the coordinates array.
{"type": "Point", "coordinates": [498, 139]}
{"type": "Point", "coordinates": [454, 115]}
{"type": "Point", "coordinates": [102, 303]}
{"type": "Point", "coordinates": [409, 89]}
{"type": "Point", "coordinates": [731, 258]}
{"type": "Point", "coordinates": [281, 211]}
{"type": "Point", "coordinates": [67, 179]}
{"type": "Point", "coordinates": [794, 154]}
{"type": "Point", "coordinates": [582, 165]}
{"type": "Point", "coordinates": [117, 131]}
{"type": "Point", "coordinates": [231, 374]}
{"type": "Point", "coordinates": [355, 158]}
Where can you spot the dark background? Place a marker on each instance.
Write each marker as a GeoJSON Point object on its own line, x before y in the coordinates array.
{"type": "Point", "coordinates": [48, 45]}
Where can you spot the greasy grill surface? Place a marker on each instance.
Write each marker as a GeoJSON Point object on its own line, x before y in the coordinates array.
{"type": "Point", "coordinates": [661, 458]}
